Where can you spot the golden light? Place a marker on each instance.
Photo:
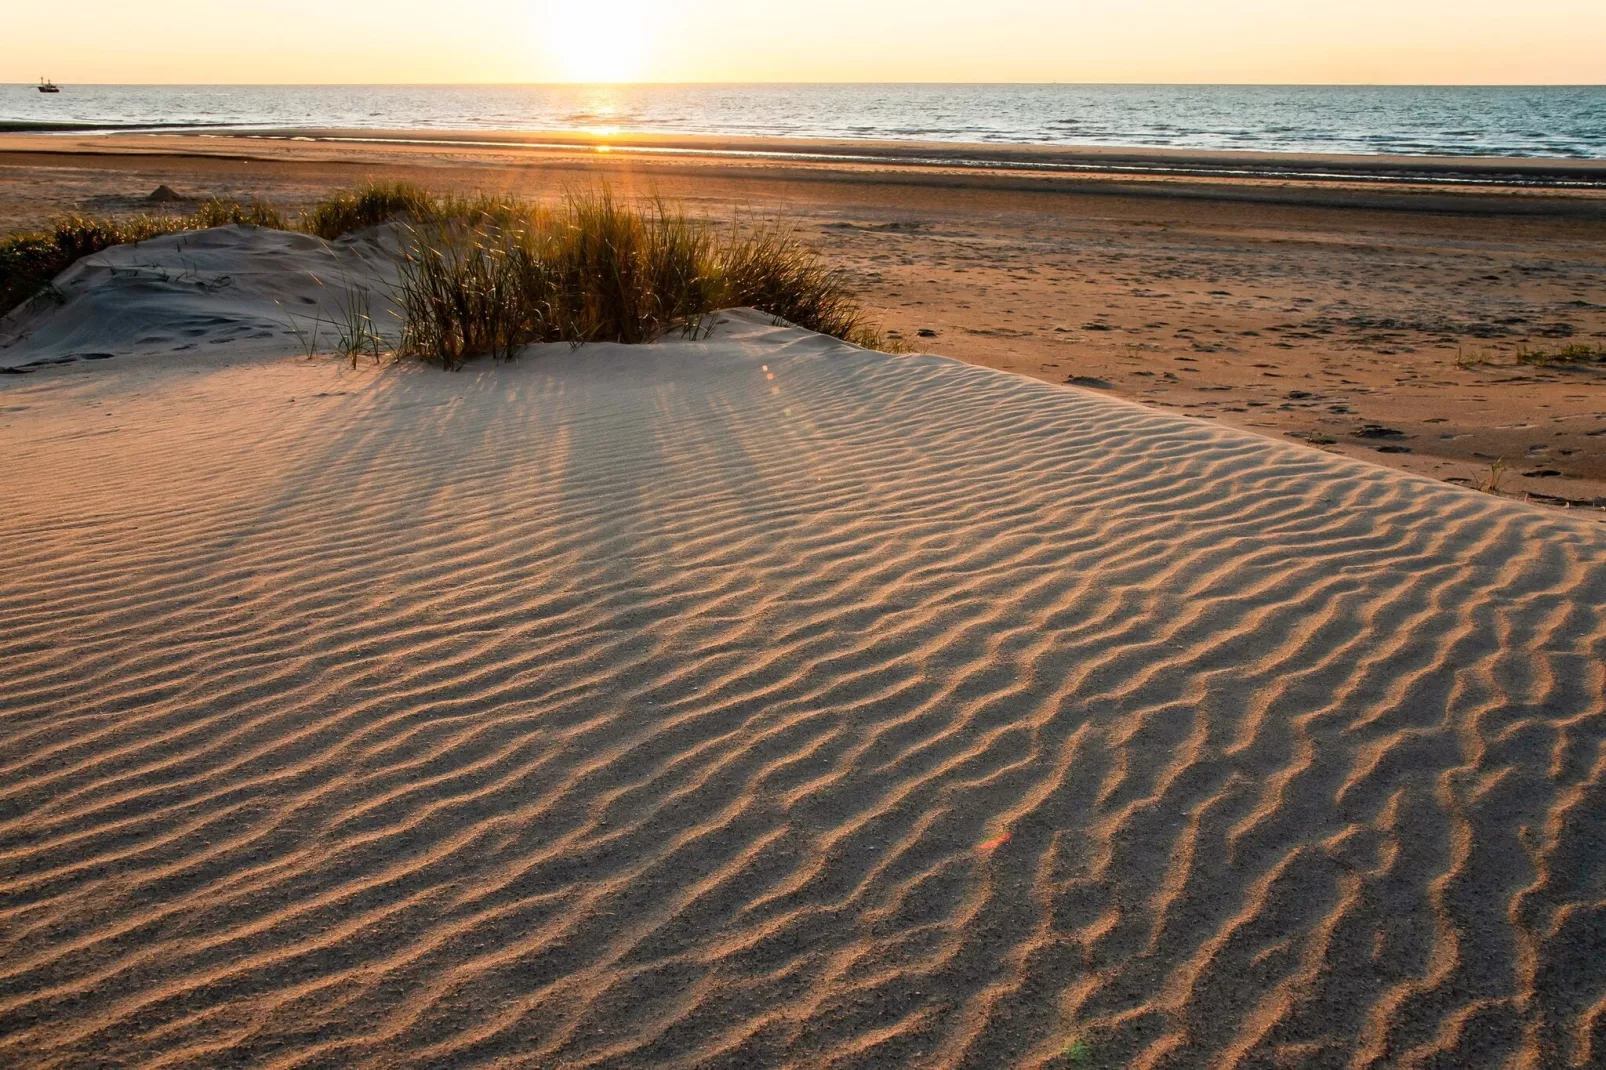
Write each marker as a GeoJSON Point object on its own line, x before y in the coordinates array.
{"type": "Point", "coordinates": [598, 40]}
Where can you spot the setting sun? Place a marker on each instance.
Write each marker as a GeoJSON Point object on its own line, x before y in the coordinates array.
{"type": "Point", "coordinates": [606, 41]}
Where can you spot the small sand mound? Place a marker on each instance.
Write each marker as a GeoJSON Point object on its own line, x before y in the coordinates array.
{"type": "Point", "coordinates": [164, 194]}
{"type": "Point", "coordinates": [765, 702]}
{"type": "Point", "coordinates": [253, 289]}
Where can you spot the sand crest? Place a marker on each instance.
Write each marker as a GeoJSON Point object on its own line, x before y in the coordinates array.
{"type": "Point", "coordinates": [765, 702]}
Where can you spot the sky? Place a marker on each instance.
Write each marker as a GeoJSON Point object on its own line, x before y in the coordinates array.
{"type": "Point", "coordinates": [1186, 41]}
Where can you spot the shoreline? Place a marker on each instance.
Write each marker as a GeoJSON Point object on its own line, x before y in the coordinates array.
{"type": "Point", "coordinates": [1223, 178]}
{"type": "Point", "coordinates": [1455, 172]}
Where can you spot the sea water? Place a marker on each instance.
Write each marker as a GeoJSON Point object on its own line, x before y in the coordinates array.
{"type": "Point", "coordinates": [1567, 122]}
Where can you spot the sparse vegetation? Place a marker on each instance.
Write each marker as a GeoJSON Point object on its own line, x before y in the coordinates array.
{"type": "Point", "coordinates": [1574, 353]}
{"type": "Point", "coordinates": [28, 262]}
{"type": "Point", "coordinates": [308, 339]}
{"type": "Point", "coordinates": [356, 335]}
{"type": "Point", "coordinates": [1497, 472]}
{"type": "Point", "coordinates": [484, 275]}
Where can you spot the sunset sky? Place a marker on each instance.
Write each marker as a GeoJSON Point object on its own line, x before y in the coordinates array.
{"type": "Point", "coordinates": [412, 41]}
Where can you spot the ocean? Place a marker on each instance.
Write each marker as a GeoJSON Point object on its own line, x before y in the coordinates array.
{"type": "Point", "coordinates": [1545, 121]}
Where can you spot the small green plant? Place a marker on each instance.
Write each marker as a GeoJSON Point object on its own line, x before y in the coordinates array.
{"type": "Point", "coordinates": [355, 333]}
{"type": "Point", "coordinates": [308, 340]}
{"type": "Point", "coordinates": [1497, 471]}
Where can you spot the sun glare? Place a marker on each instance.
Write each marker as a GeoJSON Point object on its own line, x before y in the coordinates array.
{"type": "Point", "coordinates": [599, 41]}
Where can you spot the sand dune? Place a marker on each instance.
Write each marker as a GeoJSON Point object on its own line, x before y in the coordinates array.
{"type": "Point", "coordinates": [765, 702]}
{"type": "Point", "coordinates": [256, 290]}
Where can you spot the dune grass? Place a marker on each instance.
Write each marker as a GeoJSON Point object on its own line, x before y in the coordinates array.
{"type": "Point", "coordinates": [596, 269]}
{"type": "Point", "coordinates": [221, 213]}
{"type": "Point", "coordinates": [485, 275]}
{"type": "Point", "coordinates": [378, 202]}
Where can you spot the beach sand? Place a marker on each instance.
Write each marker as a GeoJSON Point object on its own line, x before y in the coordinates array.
{"type": "Point", "coordinates": [760, 701]}
{"type": "Point", "coordinates": [1374, 319]}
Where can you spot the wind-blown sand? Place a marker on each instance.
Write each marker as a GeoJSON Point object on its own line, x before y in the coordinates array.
{"type": "Point", "coordinates": [760, 701]}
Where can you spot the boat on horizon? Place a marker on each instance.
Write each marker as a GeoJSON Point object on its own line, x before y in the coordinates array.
{"type": "Point", "coordinates": [47, 86]}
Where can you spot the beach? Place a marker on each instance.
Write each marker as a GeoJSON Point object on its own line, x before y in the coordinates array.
{"type": "Point", "coordinates": [1189, 650]}
{"type": "Point", "coordinates": [1382, 315]}
{"type": "Point", "coordinates": [763, 701]}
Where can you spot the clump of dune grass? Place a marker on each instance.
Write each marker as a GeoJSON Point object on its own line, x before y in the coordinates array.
{"type": "Point", "coordinates": [600, 270]}
{"type": "Point", "coordinates": [595, 270]}
{"type": "Point", "coordinates": [465, 295]}
{"type": "Point", "coordinates": [221, 213]}
{"type": "Point", "coordinates": [612, 272]}
{"type": "Point", "coordinates": [378, 202]}
{"type": "Point", "coordinates": [771, 270]}
{"type": "Point", "coordinates": [347, 211]}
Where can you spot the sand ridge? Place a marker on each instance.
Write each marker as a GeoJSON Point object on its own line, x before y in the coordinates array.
{"type": "Point", "coordinates": [763, 701]}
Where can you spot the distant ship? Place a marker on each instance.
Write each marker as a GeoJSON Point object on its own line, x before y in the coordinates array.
{"type": "Point", "coordinates": [47, 86]}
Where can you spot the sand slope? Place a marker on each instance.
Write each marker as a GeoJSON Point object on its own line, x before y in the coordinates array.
{"type": "Point", "coordinates": [253, 289]}
{"type": "Point", "coordinates": [764, 702]}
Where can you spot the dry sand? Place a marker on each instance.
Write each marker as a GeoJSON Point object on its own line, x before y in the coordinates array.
{"type": "Point", "coordinates": [766, 702]}
{"type": "Point", "coordinates": [1327, 311]}
{"type": "Point", "coordinates": [174, 297]}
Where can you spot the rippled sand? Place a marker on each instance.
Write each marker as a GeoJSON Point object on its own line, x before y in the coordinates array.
{"type": "Point", "coordinates": [764, 702]}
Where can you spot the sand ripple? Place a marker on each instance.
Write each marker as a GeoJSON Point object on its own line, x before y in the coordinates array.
{"type": "Point", "coordinates": [767, 703]}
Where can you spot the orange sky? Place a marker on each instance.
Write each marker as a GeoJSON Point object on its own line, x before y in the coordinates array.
{"type": "Point", "coordinates": [411, 41]}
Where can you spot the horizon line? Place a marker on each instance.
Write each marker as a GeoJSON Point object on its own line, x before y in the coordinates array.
{"type": "Point", "coordinates": [743, 82]}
